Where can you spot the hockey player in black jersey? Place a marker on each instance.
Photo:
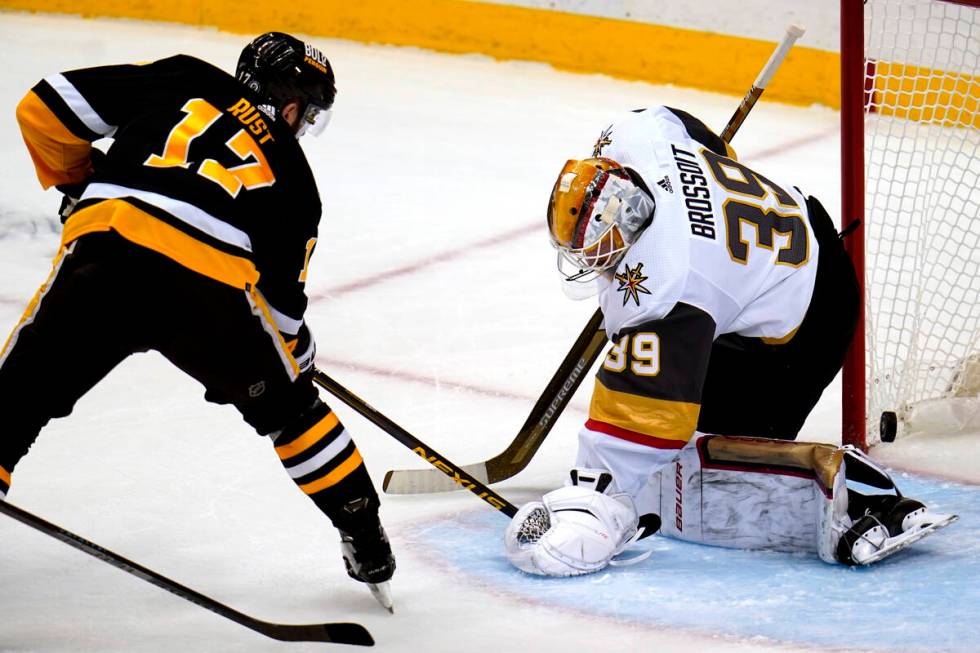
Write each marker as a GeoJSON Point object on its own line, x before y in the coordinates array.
{"type": "Point", "coordinates": [191, 236]}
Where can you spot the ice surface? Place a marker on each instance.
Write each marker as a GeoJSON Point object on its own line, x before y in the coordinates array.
{"type": "Point", "coordinates": [790, 598]}
{"type": "Point", "coordinates": [434, 298]}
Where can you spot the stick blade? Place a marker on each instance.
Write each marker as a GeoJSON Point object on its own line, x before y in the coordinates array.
{"type": "Point", "coordinates": [337, 633]}
{"type": "Point", "coordinates": [428, 481]}
{"type": "Point", "coordinates": [340, 632]}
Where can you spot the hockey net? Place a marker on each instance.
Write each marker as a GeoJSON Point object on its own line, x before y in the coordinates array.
{"type": "Point", "coordinates": [919, 151]}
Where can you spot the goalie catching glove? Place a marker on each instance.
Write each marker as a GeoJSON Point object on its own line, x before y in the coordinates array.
{"type": "Point", "coordinates": [574, 530]}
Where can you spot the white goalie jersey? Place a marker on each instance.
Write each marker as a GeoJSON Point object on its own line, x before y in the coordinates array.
{"type": "Point", "coordinates": [724, 238]}
{"type": "Point", "coordinates": [729, 251]}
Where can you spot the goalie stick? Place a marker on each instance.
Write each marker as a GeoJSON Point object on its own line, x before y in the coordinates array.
{"type": "Point", "coordinates": [793, 32]}
{"type": "Point", "coordinates": [339, 633]}
{"type": "Point", "coordinates": [459, 475]}
{"type": "Point", "coordinates": [543, 415]}
{"type": "Point", "coordinates": [579, 359]}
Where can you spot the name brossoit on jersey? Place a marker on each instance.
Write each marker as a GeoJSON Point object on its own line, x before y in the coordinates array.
{"type": "Point", "coordinates": [198, 169]}
{"type": "Point", "coordinates": [729, 251]}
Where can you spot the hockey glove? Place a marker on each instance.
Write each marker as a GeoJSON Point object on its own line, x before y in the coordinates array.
{"type": "Point", "coordinates": [71, 194]}
{"type": "Point", "coordinates": [572, 531]}
{"type": "Point", "coordinates": [302, 347]}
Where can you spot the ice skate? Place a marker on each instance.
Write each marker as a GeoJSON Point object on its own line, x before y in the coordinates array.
{"type": "Point", "coordinates": [890, 524]}
{"type": "Point", "coordinates": [368, 559]}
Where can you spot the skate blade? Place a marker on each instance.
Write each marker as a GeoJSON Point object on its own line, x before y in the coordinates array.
{"type": "Point", "coordinates": [382, 592]}
{"type": "Point", "coordinates": [895, 544]}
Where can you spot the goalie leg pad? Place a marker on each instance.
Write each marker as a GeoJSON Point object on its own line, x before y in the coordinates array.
{"type": "Point", "coordinates": [748, 493]}
{"type": "Point", "coordinates": [753, 493]}
{"type": "Point", "coordinates": [572, 531]}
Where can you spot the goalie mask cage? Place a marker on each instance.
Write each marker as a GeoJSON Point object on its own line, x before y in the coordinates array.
{"type": "Point", "coordinates": [910, 150]}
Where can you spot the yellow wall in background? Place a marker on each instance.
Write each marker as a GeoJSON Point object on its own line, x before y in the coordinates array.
{"type": "Point", "coordinates": [631, 50]}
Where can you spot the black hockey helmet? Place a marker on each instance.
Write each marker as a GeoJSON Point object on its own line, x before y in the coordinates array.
{"type": "Point", "coordinates": [281, 68]}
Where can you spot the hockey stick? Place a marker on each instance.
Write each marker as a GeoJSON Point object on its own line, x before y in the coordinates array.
{"type": "Point", "coordinates": [793, 32]}
{"type": "Point", "coordinates": [543, 415]}
{"type": "Point", "coordinates": [339, 633]}
{"type": "Point", "coordinates": [459, 475]}
{"type": "Point", "coordinates": [579, 359]}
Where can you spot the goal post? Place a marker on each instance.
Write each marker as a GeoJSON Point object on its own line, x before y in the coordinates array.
{"type": "Point", "coordinates": [910, 172]}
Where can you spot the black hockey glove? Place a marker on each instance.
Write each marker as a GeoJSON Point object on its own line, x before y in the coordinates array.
{"type": "Point", "coordinates": [71, 193]}
{"type": "Point", "coordinates": [302, 347]}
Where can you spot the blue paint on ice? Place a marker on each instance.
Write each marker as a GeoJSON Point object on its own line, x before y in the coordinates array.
{"type": "Point", "coordinates": [926, 597]}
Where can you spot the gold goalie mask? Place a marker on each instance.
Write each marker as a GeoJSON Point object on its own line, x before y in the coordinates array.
{"type": "Point", "coordinates": [595, 213]}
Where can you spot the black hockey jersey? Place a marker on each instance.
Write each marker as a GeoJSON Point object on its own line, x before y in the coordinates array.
{"type": "Point", "coordinates": [197, 170]}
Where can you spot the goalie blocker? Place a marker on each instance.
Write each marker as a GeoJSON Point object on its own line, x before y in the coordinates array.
{"type": "Point", "coordinates": [735, 492]}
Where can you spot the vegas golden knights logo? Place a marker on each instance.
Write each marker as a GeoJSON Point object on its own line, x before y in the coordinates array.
{"type": "Point", "coordinates": [605, 138]}
{"type": "Point", "coordinates": [631, 283]}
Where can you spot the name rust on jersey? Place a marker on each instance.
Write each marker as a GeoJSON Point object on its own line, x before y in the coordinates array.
{"type": "Point", "coordinates": [250, 116]}
{"type": "Point", "coordinates": [697, 196]}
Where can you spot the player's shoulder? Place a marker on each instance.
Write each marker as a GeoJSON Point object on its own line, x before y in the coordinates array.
{"type": "Point", "coordinates": [190, 63]}
{"type": "Point", "coordinates": [632, 138]}
{"type": "Point", "coordinates": [665, 123]}
{"type": "Point", "coordinates": [658, 116]}
{"type": "Point", "coordinates": [183, 72]}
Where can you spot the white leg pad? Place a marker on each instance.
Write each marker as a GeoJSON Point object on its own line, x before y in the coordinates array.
{"type": "Point", "coordinates": [751, 493]}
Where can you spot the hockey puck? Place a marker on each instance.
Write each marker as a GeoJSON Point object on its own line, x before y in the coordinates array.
{"type": "Point", "coordinates": [888, 426]}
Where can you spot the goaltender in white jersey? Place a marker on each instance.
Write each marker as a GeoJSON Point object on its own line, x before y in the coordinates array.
{"type": "Point", "coordinates": [732, 243]}
{"type": "Point", "coordinates": [730, 303]}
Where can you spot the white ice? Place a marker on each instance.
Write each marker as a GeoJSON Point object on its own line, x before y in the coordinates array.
{"type": "Point", "coordinates": [434, 298]}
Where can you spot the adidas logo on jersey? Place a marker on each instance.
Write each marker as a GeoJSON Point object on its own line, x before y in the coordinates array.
{"type": "Point", "coordinates": [665, 184]}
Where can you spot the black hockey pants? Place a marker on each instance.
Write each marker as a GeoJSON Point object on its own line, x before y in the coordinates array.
{"type": "Point", "coordinates": [109, 298]}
